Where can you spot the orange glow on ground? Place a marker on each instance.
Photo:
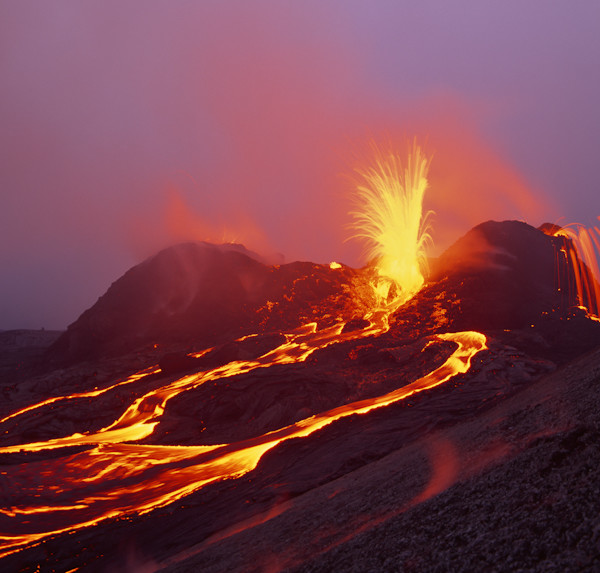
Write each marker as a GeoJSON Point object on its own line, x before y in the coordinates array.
{"type": "Point", "coordinates": [114, 478]}
{"type": "Point", "coordinates": [445, 469]}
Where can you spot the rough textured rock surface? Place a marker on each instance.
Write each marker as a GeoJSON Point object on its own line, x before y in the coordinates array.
{"type": "Point", "coordinates": [495, 470]}
{"type": "Point", "coordinates": [206, 294]}
{"type": "Point", "coordinates": [503, 274]}
{"type": "Point", "coordinates": [498, 276]}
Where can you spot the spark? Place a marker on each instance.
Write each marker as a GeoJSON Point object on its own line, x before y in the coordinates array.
{"type": "Point", "coordinates": [389, 217]}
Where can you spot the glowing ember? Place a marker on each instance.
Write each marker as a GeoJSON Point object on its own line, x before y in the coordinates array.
{"type": "Point", "coordinates": [390, 218]}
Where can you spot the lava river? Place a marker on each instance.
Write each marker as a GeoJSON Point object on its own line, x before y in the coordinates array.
{"type": "Point", "coordinates": [114, 477]}
{"type": "Point", "coordinates": [111, 476]}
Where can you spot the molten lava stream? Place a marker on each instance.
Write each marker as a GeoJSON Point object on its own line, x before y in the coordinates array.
{"type": "Point", "coordinates": [92, 394]}
{"type": "Point", "coordinates": [583, 259]}
{"type": "Point", "coordinates": [112, 460]}
{"type": "Point", "coordinates": [113, 479]}
{"type": "Point", "coordinates": [60, 495]}
{"type": "Point", "coordinates": [139, 420]}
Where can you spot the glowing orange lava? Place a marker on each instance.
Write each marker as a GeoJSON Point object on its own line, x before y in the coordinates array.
{"type": "Point", "coordinates": [390, 219]}
{"type": "Point", "coordinates": [114, 477]}
{"type": "Point", "coordinates": [582, 255]}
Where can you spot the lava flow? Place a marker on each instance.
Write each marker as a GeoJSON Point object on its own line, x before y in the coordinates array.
{"type": "Point", "coordinates": [111, 477]}
{"type": "Point", "coordinates": [581, 253]}
{"type": "Point", "coordinates": [97, 484]}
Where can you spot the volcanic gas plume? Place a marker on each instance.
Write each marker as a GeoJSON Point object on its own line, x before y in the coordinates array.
{"type": "Point", "coordinates": [247, 365]}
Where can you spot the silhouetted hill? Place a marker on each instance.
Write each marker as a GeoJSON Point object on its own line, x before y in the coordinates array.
{"type": "Point", "coordinates": [500, 275]}
{"type": "Point", "coordinates": [201, 294]}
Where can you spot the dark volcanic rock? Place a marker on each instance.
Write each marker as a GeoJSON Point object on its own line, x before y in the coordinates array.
{"type": "Point", "coordinates": [504, 274]}
{"type": "Point", "coordinates": [504, 279]}
{"type": "Point", "coordinates": [500, 275]}
{"type": "Point", "coordinates": [198, 294]}
{"type": "Point", "coordinates": [175, 362]}
{"type": "Point", "coordinates": [468, 475]}
{"type": "Point", "coordinates": [22, 353]}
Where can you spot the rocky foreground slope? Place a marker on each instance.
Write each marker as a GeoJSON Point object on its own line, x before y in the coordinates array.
{"type": "Point", "coordinates": [514, 488]}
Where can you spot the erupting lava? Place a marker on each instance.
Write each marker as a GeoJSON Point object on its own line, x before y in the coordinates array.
{"type": "Point", "coordinates": [112, 478]}
{"type": "Point", "coordinates": [390, 218]}
{"type": "Point", "coordinates": [581, 253]}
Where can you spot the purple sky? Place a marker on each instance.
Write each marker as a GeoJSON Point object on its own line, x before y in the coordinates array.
{"type": "Point", "coordinates": [131, 125]}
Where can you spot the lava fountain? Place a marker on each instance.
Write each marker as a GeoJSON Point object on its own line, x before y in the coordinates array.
{"type": "Point", "coordinates": [389, 217]}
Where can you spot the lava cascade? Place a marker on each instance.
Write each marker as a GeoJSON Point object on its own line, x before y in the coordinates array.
{"type": "Point", "coordinates": [580, 252]}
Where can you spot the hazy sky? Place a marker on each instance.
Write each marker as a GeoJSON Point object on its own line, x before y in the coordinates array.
{"type": "Point", "coordinates": [128, 125]}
